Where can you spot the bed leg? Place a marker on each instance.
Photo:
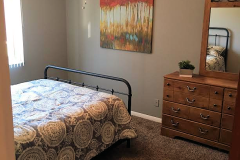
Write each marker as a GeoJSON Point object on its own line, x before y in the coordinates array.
{"type": "Point", "coordinates": [128, 143]}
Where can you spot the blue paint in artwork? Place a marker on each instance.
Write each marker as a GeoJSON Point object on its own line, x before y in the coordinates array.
{"type": "Point", "coordinates": [135, 37]}
{"type": "Point", "coordinates": [127, 36]}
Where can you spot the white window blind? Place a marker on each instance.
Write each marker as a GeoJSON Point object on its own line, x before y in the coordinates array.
{"type": "Point", "coordinates": [13, 18]}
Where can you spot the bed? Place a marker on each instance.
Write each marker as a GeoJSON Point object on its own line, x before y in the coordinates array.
{"type": "Point", "coordinates": [217, 55]}
{"type": "Point", "coordinates": [67, 121]}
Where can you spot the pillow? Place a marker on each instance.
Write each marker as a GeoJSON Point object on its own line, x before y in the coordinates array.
{"type": "Point", "coordinates": [216, 51]}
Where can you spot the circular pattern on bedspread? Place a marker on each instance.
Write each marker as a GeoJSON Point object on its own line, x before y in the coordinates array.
{"type": "Point", "coordinates": [120, 113]}
{"type": "Point", "coordinates": [35, 115]}
{"type": "Point", "coordinates": [17, 108]}
{"type": "Point", "coordinates": [83, 133]}
{"type": "Point", "coordinates": [94, 144]}
{"type": "Point", "coordinates": [108, 130]}
{"type": "Point", "coordinates": [106, 95]}
{"type": "Point", "coordinates": [128, 134]}
{"type": "Point", "coordinates": [35, 153]}
{"type": "Point", "coordinates": [79, 99]}
{"type": "Point", "coordinates": [98, 110]}
{"type": "Point", "coordinates": [53, 132]}
{"type": "Point", "coordinates": [90, 155]}
{"type": "Point", "coordinates": [81, 90]}
{"type": "Point", "coordinates": [72, 111]}
{"type": "Point", "coordinates": [51, 154]}
{"type": "Point", "coordinates": [66, 154]}
{"type": "Point", "coordinates": [68, 86]}
{"type": "Point", "coordinates": [24, 134]}
{"type": "Point", "coordinates": [58, 94]}
{"type": "Point", "coordinates": [41, 89]}
{"type": "Point", "coordinates": [45, 104]}
{"type": "Point", "coordinates": [48, 82]}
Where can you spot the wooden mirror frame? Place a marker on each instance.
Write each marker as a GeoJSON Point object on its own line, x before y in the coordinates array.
{"type": "Point", "coordinates": [206, 23]}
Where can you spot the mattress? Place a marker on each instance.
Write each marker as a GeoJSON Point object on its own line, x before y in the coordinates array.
{"type": "Point", "coordinates": [54, 120]}
{"type": "Point", "coordinates": [215, 63]}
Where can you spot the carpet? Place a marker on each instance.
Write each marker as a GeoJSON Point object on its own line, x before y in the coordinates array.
{"type": "Point", "coordinates": [150, 145]}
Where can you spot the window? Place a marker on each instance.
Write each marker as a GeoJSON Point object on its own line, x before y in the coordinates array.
{"type": "Point", "coordinates": [13, 18]}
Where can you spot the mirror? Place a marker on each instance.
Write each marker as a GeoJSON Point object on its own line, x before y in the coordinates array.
{"type": "Point", "coordinates": [223, 50]}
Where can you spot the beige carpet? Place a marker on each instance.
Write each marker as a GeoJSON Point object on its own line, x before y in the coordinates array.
{"type": "Point", "coordinates": [150, 145]}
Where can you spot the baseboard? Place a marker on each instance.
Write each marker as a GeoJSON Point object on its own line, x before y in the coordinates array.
{"type": "Point", "coordinates": [144, 116]}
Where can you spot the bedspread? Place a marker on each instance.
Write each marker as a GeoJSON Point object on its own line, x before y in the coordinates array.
{"type": "Point", "coordinates": [55, 120]}
{"type": "Point", "coordinates": [214, 63]}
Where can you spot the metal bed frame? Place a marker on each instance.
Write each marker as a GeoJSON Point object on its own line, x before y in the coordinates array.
{"type": "Point", "coordinates": [129, 94]}
{"type": "Point", "coordinates": [227, 36]}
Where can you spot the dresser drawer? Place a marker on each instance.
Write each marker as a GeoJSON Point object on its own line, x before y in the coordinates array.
{"type": "Point", "coordinates": [191, 100]}
{"type": "Point", "coordinates": [215, 105]}
{"type": "Point", "coordinates": [225, 137]}
{"type": "Point", "coordinates": [168, 95]}
{"type": "Point", "coordinates": [168, 84]}
{"type": "Point", "coordinates": [230, 95]}
{"type": "Point", "coordinates": [227, 121]}
{"type": "Point", "coordinates": [174, 109]}
{"type": "Point", "coordinates": [190, 127]}
{"type": "Point", "coordinates": [216, 93]}
{"type": "Point", "coordinates": [228, 108]}
{"type": "Point", "coordinates": [205, 116]}
{"type": "Point", "coordinates": [192, 88]}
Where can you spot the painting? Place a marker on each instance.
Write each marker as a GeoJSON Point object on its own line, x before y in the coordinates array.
{"type": "Point", "coordinates": [126, 25]}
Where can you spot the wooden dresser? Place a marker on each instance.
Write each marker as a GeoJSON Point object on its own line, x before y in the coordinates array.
{"type": "Point", "coordinates": [199, 109]}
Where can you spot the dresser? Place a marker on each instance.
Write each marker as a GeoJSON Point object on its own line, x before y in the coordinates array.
{"type": "Point", "coordinates": [200, 109]}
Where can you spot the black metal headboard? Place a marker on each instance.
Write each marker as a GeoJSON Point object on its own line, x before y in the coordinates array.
{"type": "Point", "coordinates": [129, 94]}
{"type": "Point", "coordinates": [227, 35]}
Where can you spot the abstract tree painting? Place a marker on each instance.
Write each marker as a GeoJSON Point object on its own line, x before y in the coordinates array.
{"type": "Point", "coordinates": [126, 25]}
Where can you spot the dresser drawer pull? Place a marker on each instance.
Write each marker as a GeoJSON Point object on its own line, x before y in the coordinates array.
{"type": "Point", "coordinates": [191, 90]}
{"type": "Point", "coordinates": [190, 101]}
{"type": "Point", "coordinates": [229, 108]}
{"type": "Point", "coordinates": [168, 84]}
{"type": "Point", "coordinates": [215, 105]}
{"type": "Point", "coordinates": [202, 131]}
{"type": "Point", "coordinates": [230, 95]}
{"type": "Point", "coordinates": [203, 117]}
{"type": "Point", "coordinates": [174, 124]}
{"type": "Point", "coordinates": [176, 111]}
{"type": "Point", "coordinates": [216, 92]}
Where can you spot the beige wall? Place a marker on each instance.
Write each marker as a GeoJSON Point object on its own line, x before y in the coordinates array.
{"type": "Point", "coordinates": [6, 121]}
{"type": "Point", "coordinates": [229, 18]}
{"type": "Point", "coordinates": [44, 35]}
{"type": "Point", "coordinates": [176, 36]}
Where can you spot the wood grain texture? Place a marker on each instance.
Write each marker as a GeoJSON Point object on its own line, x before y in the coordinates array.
{"type": "Point", "coordinates": [227, 121]}
{"type": "Point", "coordinates": [205, 80]}
{"type": "Point", "coordinates": [168, 95]}
{"type": "Point", "coordinates": [205, 33]}
{"type": "Point", "coordinates": [228, 108]}
{"type": "Point", "coordinates": [215, 105]}
{"type": "Point", "coordinates": [205, 116]}
{"type": "Point", "coordinates": [225, 137]}
{"type": "Point", "coordinates": [225, 4]}
{"type": "Point", "coordinates": [235, 149]}
{"type": "Point", "coordinates": [168, 84]}
{"type": "Point", "coordinates": [216, 92]}
{"type": "Point", "coordinates": [230, 95]}
{"type": "Point", "coordinates": [191, 100]}
{"type": "Point", "coordinates": [192, 88]}
{"type": "Point", "coordinates": [173, 133]}
{"type": "Point", "coordinates": [177, 110]}
{"type": "Point", "coordinates": [207, 99]}
{"type": "Point", "coordinates": [190, 127]}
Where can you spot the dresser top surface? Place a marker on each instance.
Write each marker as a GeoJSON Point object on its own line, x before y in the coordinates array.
{"type": "Point", "coordinates": [204, 80]}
